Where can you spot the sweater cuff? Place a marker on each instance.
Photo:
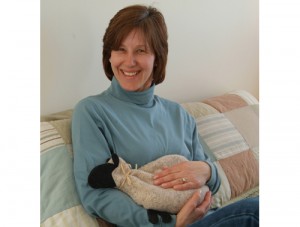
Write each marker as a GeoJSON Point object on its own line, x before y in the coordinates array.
{"type": "Point", "coordinates": [214, 182]}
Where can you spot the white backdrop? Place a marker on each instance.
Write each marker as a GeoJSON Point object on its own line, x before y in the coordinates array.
{"type": "Point", "coordinates": [213, 48]}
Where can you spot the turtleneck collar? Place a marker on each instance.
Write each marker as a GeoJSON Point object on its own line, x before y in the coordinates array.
{"type": "Point", "coordinates": [144, 98]}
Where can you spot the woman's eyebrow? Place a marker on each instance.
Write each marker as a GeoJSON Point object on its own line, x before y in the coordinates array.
{"type": "Point", "coordinates": [137, 45]}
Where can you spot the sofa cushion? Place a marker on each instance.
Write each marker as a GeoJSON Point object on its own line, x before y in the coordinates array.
{"type": "Point", "coordinates": [199, 109]}
{"type": "Point", "coordinates": [221, 136]}
{"type": "Point", "coordinates": [60, 204]}
{"type": "Point", "coordinates": [226, 102]}
{"type": "Point", "coordinates": [231, 140]}
{"type": "Point", "coordinates": [241, 171]}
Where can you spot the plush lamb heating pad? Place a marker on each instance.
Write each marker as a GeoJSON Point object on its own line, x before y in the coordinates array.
{"type": "Point", "coordinates": [138, 184]}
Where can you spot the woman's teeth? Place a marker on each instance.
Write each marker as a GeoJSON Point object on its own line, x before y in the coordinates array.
{"type": "Point", "coordinates": [129, 73]}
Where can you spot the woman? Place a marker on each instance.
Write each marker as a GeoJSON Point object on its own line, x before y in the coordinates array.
{"type": "Point", "coordinates": [129, 120]}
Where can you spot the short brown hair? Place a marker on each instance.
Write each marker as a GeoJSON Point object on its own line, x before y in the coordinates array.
{"type": "Point", "coordinates": [152, 24]}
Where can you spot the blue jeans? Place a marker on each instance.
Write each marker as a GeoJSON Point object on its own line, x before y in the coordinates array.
{"type": "Point", "coordinates": [244, 213]}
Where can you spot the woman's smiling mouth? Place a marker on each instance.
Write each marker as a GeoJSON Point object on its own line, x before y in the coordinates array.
{"type": "Point", "coordinates": [130, 74]}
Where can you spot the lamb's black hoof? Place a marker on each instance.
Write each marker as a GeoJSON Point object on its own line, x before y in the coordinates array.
{"type": "Point", "coordinates": [153, 216]}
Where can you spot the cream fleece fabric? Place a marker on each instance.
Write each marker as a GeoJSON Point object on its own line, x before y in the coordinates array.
{"type": "Point", "coordinates": [137, 183]}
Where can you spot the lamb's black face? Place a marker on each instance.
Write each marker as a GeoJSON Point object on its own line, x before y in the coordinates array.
{"type": "Point", "coordinates": [101, 176]}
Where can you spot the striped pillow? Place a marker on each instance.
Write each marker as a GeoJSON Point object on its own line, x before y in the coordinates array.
{"type": "Point", "coordinates": [60, 205]}
{"type": "Point", "coordinates": [230, 139]}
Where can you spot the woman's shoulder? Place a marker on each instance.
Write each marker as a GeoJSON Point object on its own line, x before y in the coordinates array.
{"type": "Point", "coordinates": [91, 102]}
{"type": "Point", "coordinates": [167, 102]}
{"type": "Point", "coordinates": [173, 106]}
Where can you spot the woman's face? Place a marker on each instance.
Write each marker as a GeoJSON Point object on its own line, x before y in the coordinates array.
{"type": "Point", "coordinates": [132, 64]}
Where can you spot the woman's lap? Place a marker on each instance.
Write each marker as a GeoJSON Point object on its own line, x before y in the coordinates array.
{"type": "Point", "coordinates": [243, 213]}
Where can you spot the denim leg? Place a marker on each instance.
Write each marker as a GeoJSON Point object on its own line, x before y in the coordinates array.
{"type": "Point", "coordinates": [244, 213]}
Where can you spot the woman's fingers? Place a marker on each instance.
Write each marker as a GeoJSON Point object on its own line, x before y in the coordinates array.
{"type": "Point", "coordinates": [193, 210]}
{"type": "Point", "coordinates": [183, 176]}
{"type": "Point", "coordinates": [177, 181]}
{"type": "Point", "coordinates": [203, 208]}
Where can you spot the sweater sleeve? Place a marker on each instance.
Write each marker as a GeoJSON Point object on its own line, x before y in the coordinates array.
{"type": "Point", "coordinates": [91, 148]}
{"type": "Point", "coordinates": [199, 154]}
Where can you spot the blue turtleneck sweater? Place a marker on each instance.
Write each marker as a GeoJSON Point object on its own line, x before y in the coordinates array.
{"type": "Point", "coordinates": [138, 126]}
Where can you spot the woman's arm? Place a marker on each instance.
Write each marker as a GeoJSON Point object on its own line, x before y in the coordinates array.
{"type": "Point", "coordinates": [91, 148]}
{"type": "Point", "coordinates": [196, 173]}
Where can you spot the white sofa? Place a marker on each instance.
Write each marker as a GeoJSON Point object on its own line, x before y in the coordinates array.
{"type": "Point", "coordinates": [228, 126]}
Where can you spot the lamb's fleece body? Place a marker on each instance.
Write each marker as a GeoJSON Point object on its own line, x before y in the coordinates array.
{"type": "Point", "coordinates": [138, 184]}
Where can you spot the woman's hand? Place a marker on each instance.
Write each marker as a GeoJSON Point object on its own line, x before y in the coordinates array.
{"type": "Point", "coordinates": [183, 176]}
{"type": "Point", "coordinates": [192, 210]}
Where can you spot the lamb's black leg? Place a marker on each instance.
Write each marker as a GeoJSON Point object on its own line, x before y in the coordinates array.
{"type": "Point", "coordinates": [166, 217]}
{"type": "Point", "coordinates": [153, 216]}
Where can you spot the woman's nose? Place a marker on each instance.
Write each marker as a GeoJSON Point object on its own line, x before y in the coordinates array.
{"type": "Point", "coordinates": [130, 59]}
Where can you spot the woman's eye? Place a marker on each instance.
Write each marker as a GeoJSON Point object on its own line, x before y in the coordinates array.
{"type": "Point", "coordinates": [121, 49]}
{"type": "Point", "coordinates": [141, 51]}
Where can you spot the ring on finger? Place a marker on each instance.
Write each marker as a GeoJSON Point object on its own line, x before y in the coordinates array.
{"type": "Point", "coordinates": [183, 180]}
